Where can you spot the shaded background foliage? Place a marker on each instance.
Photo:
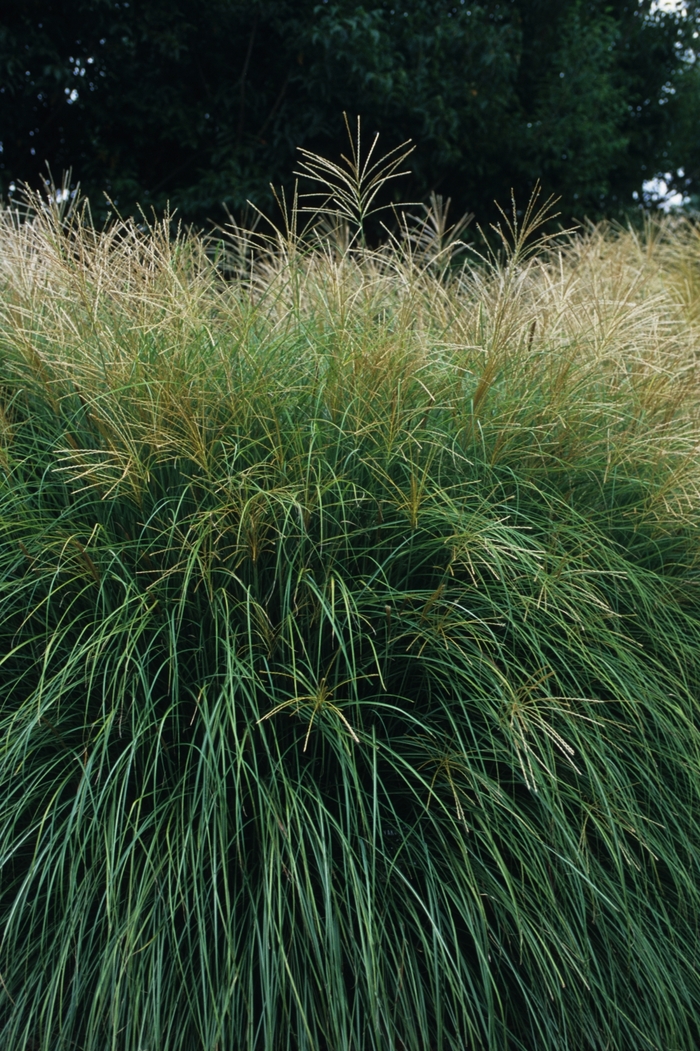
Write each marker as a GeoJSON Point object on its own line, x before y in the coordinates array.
{"type": "Point", "coordinates": [203, 103]}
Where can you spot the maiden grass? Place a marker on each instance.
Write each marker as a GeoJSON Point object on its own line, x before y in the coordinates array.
{"type": "Point", "coordinates": [350, 641]}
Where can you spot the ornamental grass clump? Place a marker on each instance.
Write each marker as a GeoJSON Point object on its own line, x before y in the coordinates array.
{"type": "Point", "coordinates": [350, 638]}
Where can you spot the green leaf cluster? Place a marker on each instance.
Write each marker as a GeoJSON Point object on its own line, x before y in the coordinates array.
{"type": "Point", "coordinates": [203, 104]}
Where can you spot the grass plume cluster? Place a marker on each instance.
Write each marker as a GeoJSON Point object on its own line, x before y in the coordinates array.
{"type": "Point", "coordinates": [350, 641]}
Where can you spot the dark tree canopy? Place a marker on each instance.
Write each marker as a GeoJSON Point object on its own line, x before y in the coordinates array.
{"type": "Point", "coordinates": [199, 103]}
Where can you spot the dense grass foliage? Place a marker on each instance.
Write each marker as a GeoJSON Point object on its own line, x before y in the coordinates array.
{"type": "Point", "coordinates": [350, 643]}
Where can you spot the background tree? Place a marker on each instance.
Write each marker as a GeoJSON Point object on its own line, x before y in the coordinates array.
{"type": "Point", "coordinates": [204, 104]}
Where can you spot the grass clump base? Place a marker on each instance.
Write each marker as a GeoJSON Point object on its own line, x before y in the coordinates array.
{"type": "Point", "coordinates": [350, 642]}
